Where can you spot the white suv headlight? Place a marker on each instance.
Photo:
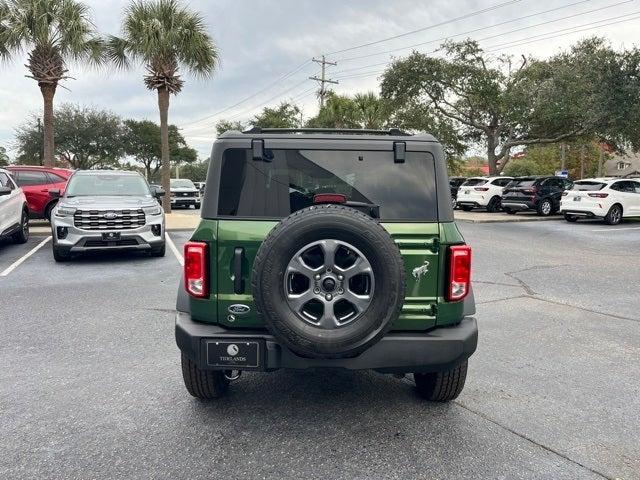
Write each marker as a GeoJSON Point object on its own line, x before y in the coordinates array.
{"type": "Point", "coordinates": [152, 210]}
{"type": "Point", "coordinates": [62, 211]}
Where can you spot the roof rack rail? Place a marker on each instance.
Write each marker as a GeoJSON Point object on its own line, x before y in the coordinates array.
{"type": "Point", "coordinates": [347, 131]}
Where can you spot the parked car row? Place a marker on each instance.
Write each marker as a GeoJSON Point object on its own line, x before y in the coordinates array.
{"type": "Point", "coordinates": [610, 199]}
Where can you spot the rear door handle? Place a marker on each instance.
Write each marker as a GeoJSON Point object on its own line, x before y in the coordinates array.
{"type": "Point", "coordinates": [238, 282]}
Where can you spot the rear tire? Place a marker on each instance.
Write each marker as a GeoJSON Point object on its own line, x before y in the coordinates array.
{"type": "Point", "coordinates": [60, 255]}
{"type": "Point", "coordinates": [614, 215]}
{"type": "Point", "coordinates": [442, 386]}
{"type": "Point", "coordinates": [22, 235]}
{"type": "Point", "coordinates": [466, 208]}
{"type": "Point", "coordinates": [494, 205]}
{"type": "Point", "coordinates": [203, 384]}
{"type": "Point", "coordinates": [570, 218]}
{"type": "Point", "coordinates": [48, 210]}
{"type": "Point", "coordinates": [545, 208]}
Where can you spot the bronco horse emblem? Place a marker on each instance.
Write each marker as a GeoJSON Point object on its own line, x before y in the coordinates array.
{"type": "Point", "coordinates": [421, 270]}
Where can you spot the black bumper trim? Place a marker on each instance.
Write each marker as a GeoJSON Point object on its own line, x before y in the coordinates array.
{"type": "Point", "coordinates": [402, 352]}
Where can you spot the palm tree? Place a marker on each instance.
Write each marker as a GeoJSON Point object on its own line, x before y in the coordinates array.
{"type": "Point", "coordinates": [164, 36]}
{"type": "Point", "coordinates": [372, 111]}
{"type": "Point", "coordinates": [53, 32]}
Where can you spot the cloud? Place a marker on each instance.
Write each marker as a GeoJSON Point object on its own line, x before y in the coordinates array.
{"type": "Point", "coordinates": [261, 41]}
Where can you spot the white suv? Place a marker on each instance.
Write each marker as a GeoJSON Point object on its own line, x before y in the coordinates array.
{"type": "Point", "coordinates": [14, 213]}
{"type": "Point", "coordinates": [485, 192]}
{"type": "Point", "coordinates": [607, 198]}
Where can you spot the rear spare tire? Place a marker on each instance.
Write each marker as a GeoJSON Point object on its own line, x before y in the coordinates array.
{"type": "Point", "coordinates": [328, 281]}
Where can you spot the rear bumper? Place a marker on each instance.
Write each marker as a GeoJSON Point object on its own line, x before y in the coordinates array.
{"type": "Point", "coordinates": [518, 204]}
{"type": "Point", "coordinates": [581, 213]}
{"type": "Point", "coordinates": [402, 352]}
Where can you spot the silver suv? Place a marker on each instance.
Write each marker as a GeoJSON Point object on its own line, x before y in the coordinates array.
{"type": "Point", "coordinates": [107, 210]}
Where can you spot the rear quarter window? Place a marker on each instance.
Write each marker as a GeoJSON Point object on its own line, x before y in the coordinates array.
{"type": "Point", "coordinates": [472, 182]}
{"type": "Point", "coordinates": [588, 186]}
{"type": "Point", "coordinates": [287, 180]}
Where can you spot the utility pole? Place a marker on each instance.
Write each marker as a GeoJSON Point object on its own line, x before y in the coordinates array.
{"type": "Point", "coordinates": [322, 80]}
{"type": "Point", "coordinates": [582, 155]}
{"type": "Point", "coordinates": [563, 156]}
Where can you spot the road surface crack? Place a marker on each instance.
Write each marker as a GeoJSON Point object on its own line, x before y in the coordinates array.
{"type": "Point", "coordinates": [532, 441]}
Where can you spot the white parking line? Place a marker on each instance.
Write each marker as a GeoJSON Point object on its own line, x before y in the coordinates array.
{"type": "Point", "coordinates": [19, 262]}
{"type": "Point", "coordinates": [615, 229]}
{"type": "Point", "coordinates": [175, 251]}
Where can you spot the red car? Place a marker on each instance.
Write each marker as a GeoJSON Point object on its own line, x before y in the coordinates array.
{"type": "Point", "coordinates": [36, 183]}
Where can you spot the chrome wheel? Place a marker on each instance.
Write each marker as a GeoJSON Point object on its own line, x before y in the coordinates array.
{"type": "Point", "coordinates": [546, 207]}
{"type": "Point", "coordinates": [329, 283]}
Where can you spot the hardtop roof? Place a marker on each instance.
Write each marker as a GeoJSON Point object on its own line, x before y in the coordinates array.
{"type": "Point", "coordinates": [393, 135]}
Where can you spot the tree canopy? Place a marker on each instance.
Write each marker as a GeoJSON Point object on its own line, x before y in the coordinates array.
{"type": "Point", "coordinates": [85, 138]}
{"type": "Point", "coordinates": [141, 140]}
{"type": "Point", "coordinates": [505, 103]}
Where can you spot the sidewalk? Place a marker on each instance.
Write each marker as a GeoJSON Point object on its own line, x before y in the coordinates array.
{"type": "Point", "coordinates": [484, 217]}
{"type": "Point", "coordinates": [174, 221]}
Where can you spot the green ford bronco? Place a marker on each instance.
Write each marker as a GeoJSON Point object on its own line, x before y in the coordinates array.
{"type": "Point", "coordinates": [326, 248]}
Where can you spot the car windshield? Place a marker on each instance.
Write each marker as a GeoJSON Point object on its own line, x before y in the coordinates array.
{"type": "Point", "coordinates": [588, 186]}
{"type": "Point", "coordinates": [288, 180]}
{"type": "Point", "coordinates": [182, 183]}
{"type": "Point", "coordinates": [107, 185]}
{"type": "Point", "coordinates": [474, 181]}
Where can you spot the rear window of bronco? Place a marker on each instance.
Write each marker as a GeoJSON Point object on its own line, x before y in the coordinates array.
{"type": "Point", "coordinates": [285, 181]}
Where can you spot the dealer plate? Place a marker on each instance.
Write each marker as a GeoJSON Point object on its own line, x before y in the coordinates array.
{"type": "Point", "coordinates": [110, 236]}
{"type": "Point", "coordinates": [237, 354]}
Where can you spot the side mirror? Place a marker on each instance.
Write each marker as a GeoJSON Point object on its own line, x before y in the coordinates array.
{"type": "Point", "coordinates": [54, 193]}
{"type": "Point", "coordinates": [5, 191]}
{"type": "Point", "coordinates": [158, 192]}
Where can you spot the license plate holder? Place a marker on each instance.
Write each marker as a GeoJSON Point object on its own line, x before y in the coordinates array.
{"type": "Point", "coordinates": [234, 354]}
{"type": "Point", "coordinates": [111, 236]}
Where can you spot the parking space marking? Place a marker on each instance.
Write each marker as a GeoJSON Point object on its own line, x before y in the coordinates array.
{"type": "Point", "coordinates": [174, 249]}
{"type": "Point", "coordinates": [19, 262]}
{"type": "Point", "coordinates": [615, 229]}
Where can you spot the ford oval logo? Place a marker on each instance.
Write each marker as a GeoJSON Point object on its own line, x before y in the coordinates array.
{"type": "Point", "coordinates": [239, 309]}
{"type": "Point", "coordinates": [110, 215]}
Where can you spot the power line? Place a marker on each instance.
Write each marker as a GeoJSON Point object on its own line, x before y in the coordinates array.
{"type": "Point", "coordinates": [526, 40]}
{"type": "Point", "coordinates": [347, 59]}
{"type": "Point", "coordinates": [435, 25]}
{"type": "Point", "coordinates": [253, 95]}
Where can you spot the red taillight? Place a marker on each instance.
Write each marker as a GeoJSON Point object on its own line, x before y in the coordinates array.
{"type": "Point", "coordinates": [481, 189]}
{"type": "Point", "coordinates": [329, 198]}
{"type": "Point", "coordinates": [195, 269]}
{"type": "Point", "coordinates": [459, 272]}
{"type": "Point", "coordinates": [598, 195]}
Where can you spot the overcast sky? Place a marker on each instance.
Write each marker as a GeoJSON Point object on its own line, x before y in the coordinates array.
{"type": "Point", "coordinates": [263, 40]}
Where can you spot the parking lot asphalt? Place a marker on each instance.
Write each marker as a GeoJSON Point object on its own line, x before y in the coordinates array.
{"type": "Point", "coordinates": [90, 384]}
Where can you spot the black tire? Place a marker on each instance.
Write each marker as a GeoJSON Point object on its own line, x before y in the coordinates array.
{"type": "Point", "coordinates": [310, 225]}
{"type": "Point", "coordinates": [545, 207]}
{"type": "Point", "coordinates": [466, 208]}
{"type": "Point", "coordinates": [49, 209]}
{"type": "Point", "coordinates": [60, 255]}
{"type": "Point", "coordinates": [442, 386]}
{"type": "Point", "coordinates": [570, 218]}
{"type": "Point", "coordinates": [203, 384]}
{"type": "Point", "coordinates": [494, 205]}
{"type": "Point", "coordinates": [158, 251]}
{"type": "Point", "coordinates": [454, 203]}
{"type": "Point", "coordinates": [614, 215]}
{"type": "Point", "coordinates": [22, 235]}
{"type": "Point", "coordinates": [509, 211]}
{"type": "Point", "coordinates": [197, 206]}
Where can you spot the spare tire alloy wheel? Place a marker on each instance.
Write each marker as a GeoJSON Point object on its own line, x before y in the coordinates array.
{"type": "Point", "coordinates": [328, 282]}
